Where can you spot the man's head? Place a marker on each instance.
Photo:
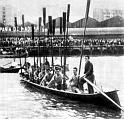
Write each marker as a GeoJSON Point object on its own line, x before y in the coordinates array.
{"type": "Point", "coordinates": [46, 65]}
{"type": "Point", "coordinates": [75, 70]}
{"type": "Point", "coordinates": [57, 69]}
{"type": "Point", "coordinates": [48, 71]}
{"type": "Point", "coordinates": [87, 57]}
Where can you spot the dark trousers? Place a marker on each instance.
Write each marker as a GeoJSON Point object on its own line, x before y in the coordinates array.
{"type": "Point", "coordinates": [82, 81]}
{"type": "Point", "coordinates": [90, 88]}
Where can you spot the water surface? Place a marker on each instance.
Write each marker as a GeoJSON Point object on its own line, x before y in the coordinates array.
{"type": "Point", "coordinates": [20, 102]}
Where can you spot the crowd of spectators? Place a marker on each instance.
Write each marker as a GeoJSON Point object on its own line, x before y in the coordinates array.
{"type": "Point", "coordinates": [60, 42]}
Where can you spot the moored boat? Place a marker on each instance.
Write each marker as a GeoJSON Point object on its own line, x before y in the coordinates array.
{"type": "Point", "coordinates": [96, 98]}
{"type": "Point", "coordinates": [13, 55]}
{"type": "Point", "coordinates": [9, 70]}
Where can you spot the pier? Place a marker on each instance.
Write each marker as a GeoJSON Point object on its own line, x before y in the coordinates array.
{"type": "Point", "coordinates": [100, 41]}
{"type": "Point", "coordinates": [76, 50]}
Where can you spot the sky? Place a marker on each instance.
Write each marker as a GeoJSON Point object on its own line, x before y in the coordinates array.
{"type": "Point", "coordinates": [32, 9]}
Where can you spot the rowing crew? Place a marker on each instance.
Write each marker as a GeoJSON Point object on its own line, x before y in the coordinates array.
{"type": "Point", "coordinates": [54, 77]}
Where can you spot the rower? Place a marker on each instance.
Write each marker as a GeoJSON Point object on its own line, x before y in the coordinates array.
{"type": "Point", "coordinates": [74, 81]}
{"type": "Point", "coordinates": [46, 64]}
{"type": "Point", "coordinates": [46, 79]}
{"type": "Point", "coordinates": [88, 73]}
{"type": "Point", "coordinates": [42, 72]}
{"type": "Point", "coordinates": [36, 74]}
{"type": "Point", "coordinates": [26, 71]}
{"type": "Point", "coordinates": [56, 81]}
{"type": "Point", "coordinates": [32, 73]}
{"type": "Point", "coordinates": [64, 77]}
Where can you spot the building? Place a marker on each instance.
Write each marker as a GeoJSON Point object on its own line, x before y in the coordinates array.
{"type": "Point", "coordinates": [91, 23]}
{"type": "Point", "coordinates": [7, 13]}
{"type": "Point", "coordinates": [104, 14]}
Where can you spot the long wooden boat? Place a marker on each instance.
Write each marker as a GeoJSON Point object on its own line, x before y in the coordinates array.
{"type": "Point", "coordinates": [13, 55]}
{"type": "Point", "coordinates": [96, 98]}
{"type": "Point", "coordinates": [9, 70]}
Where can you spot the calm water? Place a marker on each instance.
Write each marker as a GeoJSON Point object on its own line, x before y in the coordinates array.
{"type": "Point", "coordinates": [20, 102]}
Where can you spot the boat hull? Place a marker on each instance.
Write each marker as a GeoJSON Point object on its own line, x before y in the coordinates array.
{"type": "Point", "coordinates": [97, 98]}
{"type": "Point", "coordinates": [13, 56]}
{"type": "Point", "coordinates": [9, 70]}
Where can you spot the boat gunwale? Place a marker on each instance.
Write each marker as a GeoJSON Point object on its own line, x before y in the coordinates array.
{"type": "Point", "coordinates": [84, 97]}
{"type": "Point", "coordinates": [82, 94]}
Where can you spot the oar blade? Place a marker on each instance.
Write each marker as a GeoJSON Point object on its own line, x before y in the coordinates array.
{"type": "Point", "coordinates": [117, 105]}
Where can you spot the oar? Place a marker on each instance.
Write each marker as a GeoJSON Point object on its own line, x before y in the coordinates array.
{"type": "Point", "coordinates": [23, 26]}
{"type": "Point", "coordinates": [53, 29]}
{"type": "Point", "coordinates": [103, 94]}
{"type": "Point", "coordinates": [32, 26]}
{"type": "Point", "coordinates": [18, 41]}
{"type": "Point", "coordinates": [86, 19]}
{"type": "Point", "coordinates": [68, 13]}
{"type": "Point", "coordinates": [15, 23]}
{"type": "Point", "coordinates": [44, 23]}
{"type": "Point", "coordinates": [65, 45]}
{"type": "Point", "coordinates": [60, 35]}
{"type": "Point", "coordinates": [51, 34]}
{"type": "Point", "coordinates": [64, 30]}
{"type": "Point", "coordinates": [39, 41]}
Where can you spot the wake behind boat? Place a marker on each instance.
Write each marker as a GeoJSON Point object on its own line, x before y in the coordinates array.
{"type": "Point", "coordinates": [96, 98]}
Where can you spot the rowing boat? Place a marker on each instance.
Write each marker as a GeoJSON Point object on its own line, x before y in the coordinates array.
{"type": "Point", "coordinates": [96, 98]}
{"type": "Point", "coordinates": [107, 99]}
{"type": "Point", "coordinates": [9, 70]}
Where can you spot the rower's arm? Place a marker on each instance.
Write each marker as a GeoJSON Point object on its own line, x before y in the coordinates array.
{"type": "Point", "coordinates": [71, 79]}
{"type": "Point", "coordinates": [43, 80]}
{"type": "Point", "coordinates": [50, 82]}
{"type": "Point", "coordinates": [67, 78]}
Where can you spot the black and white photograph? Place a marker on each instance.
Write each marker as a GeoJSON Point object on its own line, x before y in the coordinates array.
{"type": "Point", "coordinates": [61, 59]}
